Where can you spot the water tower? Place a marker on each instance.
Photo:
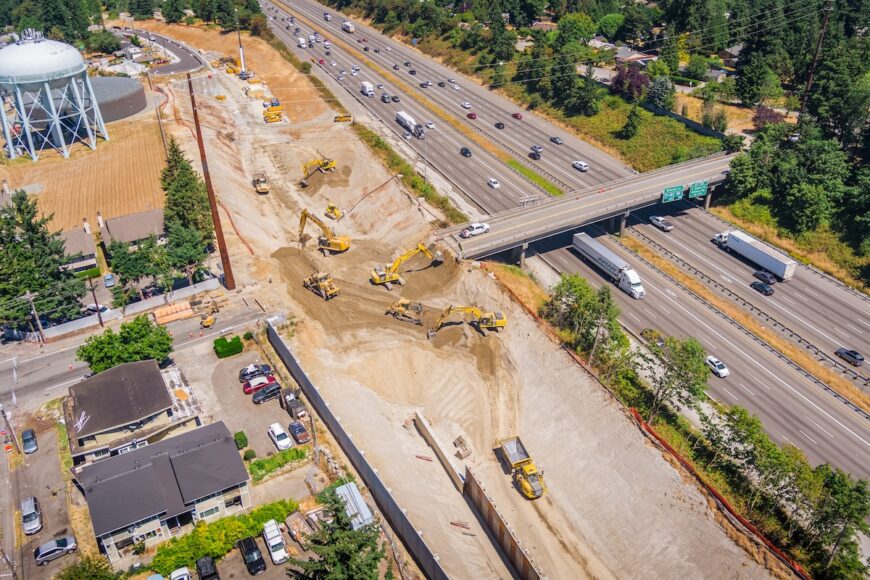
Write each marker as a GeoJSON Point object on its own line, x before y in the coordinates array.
{"type": "Point", "coordinates": [47, 98]}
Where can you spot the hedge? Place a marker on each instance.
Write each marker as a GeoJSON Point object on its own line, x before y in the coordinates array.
{"type": "Point", "coordinates": [241, 440]}
{"type": "Point", "coordinates": [89, 273]}
{"type": "Point", "coordinates": [224, 348]}
{"type": "Point", "coordinates": [263, 467]}
{"type": "Point", "coordinates": [685, 81]}
{"type": "Point", "coordinates": [216, 539]}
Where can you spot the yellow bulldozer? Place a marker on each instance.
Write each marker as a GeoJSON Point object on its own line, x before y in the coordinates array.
{"type": "Point", "coordinates": [389, 274]}
{"type": "Point", "coordinates": [407, 311]}
{"type": "Point", "coordinates": [321, 165]}
{"type": "Point", "coordinates": [494, 321]}
{"type": "Point", "coordinates": [322, 284]}
{"type": "Point", "coordinates": [328, 241]}
{"type": "Point", "coordinates": [261, 183]}
{"type": "Point", "coordinates": [333, 212]}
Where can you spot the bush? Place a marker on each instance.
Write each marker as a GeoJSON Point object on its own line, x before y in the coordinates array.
{"type": "Point", "coordinates": [250, 454]}
{"type": "Point", "coordinates": [88, 274]}
{"type": "Point", "coordinates": [305, 68]}
{"type": "Point", "coordinates": [241, 440]}
{"type": "Point", "coordinates": [683, 81]}
{"type": "Point", "coordinates": [139, 548]}
{"type": "Point", "coordinates": [248, 335]}
{"type": "Point", "coordinates": [216, 539]}
{"type": "Point", "coordinates": [224, 348]}
{"type": "Point", "coordinates": [263, 467]}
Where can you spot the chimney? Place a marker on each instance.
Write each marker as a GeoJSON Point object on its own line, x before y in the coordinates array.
{"type": "Point", "coordinates": [86, 226]}
{"type": "Point", "coordinates": [100, 220]}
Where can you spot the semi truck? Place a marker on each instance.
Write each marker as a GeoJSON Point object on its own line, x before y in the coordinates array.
{"type": "Point", "coordinates": [528, 479]}
{"type": "Point", "coordinates": [348, 26]}
{"type": "Point", "coordinates": [611, 264]}
{"type": "Point", "coordinates": [756, 252]}
{"type": "Point", "coordinates": [405, 120]}
{"type": "Point", "coordinates": [367, 89]}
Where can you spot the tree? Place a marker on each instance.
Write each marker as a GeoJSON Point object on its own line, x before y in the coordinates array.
{"type": "Point", "coordinates": [341, 551]}
{"type": "Point", "coordinates": [750, 80]}
{"type": "Point", "coordinates": [104, 42]}
{"type": "Point", "coordinates": [670, 51]}
{"type": "Point", "coordinates": [697, 67]}
{"type": "Point", "coordinates": [657, 68]}
{"type": "Point", "coordinates": [225, 14]}
{"type": "Point", "coordinates": [590, 316]}
{"type": "Point", "coordinates": [630, 82]}
{"type": "Point", "coordinates": [185, 248]}
{"type": "Point", "coordinates": [186, 197]}
{"type": "Point", "coordinates": [841, 513]}
{"type": "Point", "coordinates": [139, 339]}
{"type": "Point", "coordinates": [502, 42]}
{"type": "Point", "coordinates": [662, 93]}
{"type": "Point", "coordinates": [587, 100]}
{"type": "Point", "coordinates": [563, 79]}
{"type": "Point", "coordinates": [142, 9]}
{"type": "Point", "coordinates": [610, 24]}
{"type": "Point", "coordinates": [679, 374]}
{"type": "Point", "coordinates": [576, 27]}
{"type": "Point", "coordinates": [88, 568]}
{"type": "Point", "coordinates": [173, 10]}
{"type": "Point", "coordinates": [632, 124]}
{"type": "Point", "coordinates": [30, 262]}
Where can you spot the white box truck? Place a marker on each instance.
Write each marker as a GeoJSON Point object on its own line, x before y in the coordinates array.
{"type": "Point", "coordinates": [348, 26]}
{"type": "Point", "coordinates": [302, 42]}
{"type": "Point", "coordinates": [405, 120]}
{"type": "Point", "coordinates": [756, 252]}
{"type": "Point", "coordinates": [611, 264]}
{"type": "Point", "coordinates": [367, 89]}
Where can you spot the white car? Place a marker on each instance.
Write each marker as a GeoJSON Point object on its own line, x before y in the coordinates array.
{"type": "Point", "coordinates": [718, 367]}
{"type": "Point", "coordinates": [537, 148]}
{"type": "Point", "coordinates": [279, 437]}
{"type": "Point", "coordinates": [580, 166]}
{"type": "Point", "coordinates": [661, 223]}
{"type": "Point", "coordinates": [275, 542]}
{"type": "Point", "coordinates": [456, 87]}
{"type": "Point", "coordinates": [465, 105]}
{"type": "Point", "coordinates": [430, 125]}
{"type": "Point", "coordinates": [353, 73]}
{"type": "Point", "coordinates": [181, 574]}
{"type": "Point", "coordinates": [493, 183]}
{"type": "Point", "coordinates": [474, 230]}
{"type": "Point", "coordinates": [380, 86]}
{"type": "Point", "coordinates": [406, 135]}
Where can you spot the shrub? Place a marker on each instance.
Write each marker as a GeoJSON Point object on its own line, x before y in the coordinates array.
{"type": "Point", "coordinates": [305, 68]}
{"type": "Point", "coordinates": [217, 538]}
{"type": "Point", "coordinates": [241, 440]}
{"type": "Point", "coordinates": [224, 348]}
{"type": "Point", "coordinates": [683, 81]}
{"type": "Point", "coordinates": [248, 335]}
{"type": "Point", "coordinates": [139, 548]}
{"type": "Point", "coordinates": [89, 273]}
{"type": "Point", "coordinates": [263, 467]}
{"type": "Point", "coordinates": [250, 454]}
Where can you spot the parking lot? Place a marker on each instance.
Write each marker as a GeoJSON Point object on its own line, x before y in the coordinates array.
{"type": "Point", "coordinates": [232, 565]}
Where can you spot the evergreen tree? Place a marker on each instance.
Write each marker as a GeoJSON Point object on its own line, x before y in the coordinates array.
{"type": "Point", "coordinates": [751, 78]}
{"type": "Point", "coordinates": [587, 100]}
{"type": "Point", "coordinates": [670, 51]}
{"type": "Point", "coordinates": [142, 9]}
{"type": "Point", "coordinates": [632, 124]}
{"type": "Point", "coordinates": [173, 10]}
{"type": "Point", "coordinates": [186, 197]}
{"type": "Point", "coordinates": [661, 93]}
{"type": "Point", "coordinates": [225, 14]}
{"type": "Point", "coordinates": [185, 248]}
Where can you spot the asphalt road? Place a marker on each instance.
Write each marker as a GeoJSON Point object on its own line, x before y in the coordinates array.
{"type": "Point", "coordinates": [792, 408]}
{"type": "Point", "coordinates": [188, 59]}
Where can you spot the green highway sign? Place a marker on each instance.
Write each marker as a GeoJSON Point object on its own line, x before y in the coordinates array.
{"type": "Point", "coordinates": [698, 189]}
{"type": "Point", "coordinates": [673, 193]}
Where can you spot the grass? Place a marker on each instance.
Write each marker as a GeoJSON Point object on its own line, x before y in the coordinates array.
{"type": "Point", "coordinates": [260, 468]}
{"type": "Point", "coordinates": [535, 178]}
{"type": "Point", "coordinates": [521, 284]}
{"type": "Point", "coordinates": [63, 451]}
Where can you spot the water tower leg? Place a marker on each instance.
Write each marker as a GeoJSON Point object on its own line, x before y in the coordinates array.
{"type": "Point", "coordinates": [25, 123]}
{"type": "Point", "coordinates": [98, 116]}
{"type": "Point", "coordinates": [7, 134]}
{"type": "Point", "coordinates": [48, 104]}
{"type": "Point", "coordinates": [83, 117]}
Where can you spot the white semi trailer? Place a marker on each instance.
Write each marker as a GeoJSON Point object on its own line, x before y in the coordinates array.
{"type": "Point", "coordinates": [348, 26]}
{"type": "Point", "coordinates": [756, 252]}
{"type": "Point", "coordinates": [611, 264]}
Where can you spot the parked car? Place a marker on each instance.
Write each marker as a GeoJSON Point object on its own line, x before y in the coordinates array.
{"type": "Point", "coordinates": [253, 371]}
{"type": "Point", "coordinates": [580, 166]}
{"type": "Point", "coordinates": [206, 569]}
{"type": "Point", "coordinates": [252, 556]}
{"type": "Point", "coordinates": [853, 357]}
{"type": "Point", "coordinates": [499, 125]}
{"type": "Point", "coordinates": [465, 105]}
{"type": "Point", "coordinates": [275, 544]}
{"type": "Point", "coordinates": [465, 152]}
{"type": "Point", "coordinates": [31, 516]}
{"type": "Point", "coordinates": [54, 549]}
{"type": "Point", "coordinates": [718, 367]}
{"type": "Point", "coordinates": [28, 441]}
{"type": "Point", "coordinates": [300, 433]}
{"type": "Point", "coordinates": [474, 229]}
{"type": "Point", "coordinates": [760, 286]}
{"type": "Point", "coordinates": [493, 183]}
{"type": "Point", "coordinates": [109, 280]}
{"type": "Point", "coordinates": [266, 393]}
{"type": "Point", "coordinates": [258, 383]}
{"type": "Point", "coordinates": [556, 140]}
{"type": "Point", "coordinates": [181, 574]}
{"type": "Point", "coordinates": [661, 223]}
{"type": "Point", "coordinates": [765, 277]}
{"type": "Point", "coordinates": [279, 437]}
{"type": "Point", "coordinates": [535, 155]}
{"type": "Point", "coordinates": [517, 116]}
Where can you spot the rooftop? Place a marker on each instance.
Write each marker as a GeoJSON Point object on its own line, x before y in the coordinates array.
{"type": "Point", "coordinates": [78, 242]}
{"type": "Point", "coordinates": [133, 227]}
{"type": "Point", "coordinates": [359, 513]}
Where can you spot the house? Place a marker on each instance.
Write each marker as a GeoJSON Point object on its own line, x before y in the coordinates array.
{"type": "Point", "coordinates": [131, 52]}
{"type": "Point", "coordinates": [119, 410]}
{"type": "Point", "coordinates": [731, 55]}
{"type": "Point", "coordinates": [132, 228]}
{"type": "Point", "coordinates": [354, 505]}
{"type": "Point", "coordinates": [80, 249]}
{"type": "Point", "coordinates": [716, 75]}
{"type": "Point", "coordinates": [546, 26]}
{"type": "Point", "coordinates": [161, 491]}
{"type": "Point", "coordinates": [601, 43]}
{"type": "Point", "coordinates": [524, 42]}
{"type": "Point", "coordinates": [625, 55]}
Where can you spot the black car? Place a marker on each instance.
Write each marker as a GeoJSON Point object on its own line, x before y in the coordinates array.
{"type": "Point", "coordinates": [853, 357]}
{"type": "Point", "coordinates": [765, 277]}
{"type": "Point", "coordinates": [423, 85]}
{"type": "Point", "coordinates": [252, 556]}
{"type": "Point", "coordinates": [762, 287]}
{"type": "Point", "coordinates": [499, 125]}
{"type": "Point", "coordinates": [253, 371]}
{"type": "Point", "coordinates": [328, 53]}
{"type": "Point", "coordinates": [534, 155]}
{"type": "Point", "coordinates": [365, 49]}
{"type": "Point", "coordinates": [412, 72]}
{"type": "Point", "coordinates": [465, 151]}
{"type": "Point", "coordinates": [407, 63]}
{"type": "Point", "coordinates": [266, 393]}
{"type": "Point", "coordinates": [396, 67]}
{"type": "Point", "coordinates": [207, 569]}
{"type": "Point", "coordinates": [395, 98]}
{"type": "Point", "coordinates": [442, 84]}
{"type": "Point", "coordinates": [28, 441]}
{"type": "Point", "coordinates": [377, 50]}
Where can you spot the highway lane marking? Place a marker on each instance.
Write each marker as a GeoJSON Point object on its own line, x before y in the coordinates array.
{"type": "Point", "coordinates": [650, 313]}
{"type": "Point", "coordinates": [726, 278]}
{"type": "Point", "coordinates": [787, 299]}
{"type": "Point", "coordinates": [730, 393]}
{"type": "Point", "coordinates": [759, 382]}
{"type": "Point", "coordinates": [808, 291]}
{"type": "Point", "coordinates": [825, 431]}
{"type": "Point", "coordinates": [633, 315]}
{"type": "Point", "coordinates": [841, 333]}
{"type": "Point", "coordinates": [855, 328]}
{"type": "Point", "coordinates": [808, 437]}
{"type": "Point", "coordinates": [745, 388]}
{"type": "Point", "coordinates": [671, 292]}
{"type": "Point", "coordinates": [775, 377]}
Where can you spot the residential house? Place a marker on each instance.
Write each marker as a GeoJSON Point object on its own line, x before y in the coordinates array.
{"type": "Point", "coordinates": [546, 26]}
{"type": "Point", "coordinates": [161, 491]}
{"type": "Point", "coordinates": [731, 55]}
{"type": "Point", "coordinates": [625, 55]}
{"type": "Point", "coordinates": [354, 505]}
{"type": "Point", "coordinates": [132, 228]}
{"type": "Point", "coordinates": [119, 410]}
{"type": "Point", "coordinates": [716, 75]}
{"type": "Point", "coordinates": [601, 43]}
{"type": "Point", "coordinates": [80, 248]}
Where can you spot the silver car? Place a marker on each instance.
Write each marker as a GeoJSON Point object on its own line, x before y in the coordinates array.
{"type": "Point", "coordinates": [31, 516]}
{"type": "Point", "coordinates": [54, 549]}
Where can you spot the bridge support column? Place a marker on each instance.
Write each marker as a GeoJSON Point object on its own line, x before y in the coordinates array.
{"type": "Point", "coordinates": [611, 226]}
{"type": "Point", "coordinates": [518, 255]}
{"type": "Point", "coordinates": [707, 199]}
{"type": "Point", "coordinates": [622, 221]}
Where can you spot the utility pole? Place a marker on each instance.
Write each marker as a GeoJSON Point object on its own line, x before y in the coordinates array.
{"type": "Point", "coordinates": [829, 7]}
{"type": "Point", "coordinates": [97, 304]}
{"type": "Point", "coordinates": [241, 48]}
{"type": "Point", "coordinates": [10, 429]}
{"type": "Point", "coordinates": [35, 315]}
{"type": "Point", "coordinates": [229, 279]}
{"type": "Point", "coordinates": [9, 562]}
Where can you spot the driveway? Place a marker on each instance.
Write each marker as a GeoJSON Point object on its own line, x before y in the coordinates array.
{"type": "Point", "coordinates": [232, 566]}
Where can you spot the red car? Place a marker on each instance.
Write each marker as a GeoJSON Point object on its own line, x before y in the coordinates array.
{"type": "Point", "coordinates": [517, 116]}
{"type": "Point", "coordinates": [472, 115]}
{"type": "Point", "coordinates": [258, 383]}
{"type": "Point", "coordinates": [320, 61]}
{"type": "Point", "coordinates": [299, 432]}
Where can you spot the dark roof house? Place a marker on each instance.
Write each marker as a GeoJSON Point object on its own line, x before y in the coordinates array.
{"type": "Point", "coordinates": [132, 228]}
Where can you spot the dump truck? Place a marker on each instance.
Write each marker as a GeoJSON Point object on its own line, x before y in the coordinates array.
{"type": "Point", "coordinates": [261, 183]}
{"type": "Point", "coordinates": [348, 26]}
{"type": "Point", "coordinates": [756, 252]}
{"type": "Point", "coordinates": [611, 264]}
{"type": "Point", "coordinates": [526, 476]}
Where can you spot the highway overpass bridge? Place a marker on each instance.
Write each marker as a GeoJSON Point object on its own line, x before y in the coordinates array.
{"type": "Point", "coordinates": [516, 228]}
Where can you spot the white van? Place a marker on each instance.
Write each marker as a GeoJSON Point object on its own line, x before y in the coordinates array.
{"type": "Point", "coordinates": [275, 542]}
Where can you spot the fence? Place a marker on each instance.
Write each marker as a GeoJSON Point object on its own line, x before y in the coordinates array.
{"type": "Point", "coordinates": [395, 516]}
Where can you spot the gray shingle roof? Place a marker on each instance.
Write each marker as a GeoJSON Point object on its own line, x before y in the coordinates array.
{"type": "Point", "coordinates": [133, 227]}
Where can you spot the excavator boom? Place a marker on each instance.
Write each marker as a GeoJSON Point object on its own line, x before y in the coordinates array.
{"type": "Point", "coordinates": [483, 320]}
{"type": "Point", "coordinates": [329, 242]}
{"type": "Point", "coordinates": [386, 275]}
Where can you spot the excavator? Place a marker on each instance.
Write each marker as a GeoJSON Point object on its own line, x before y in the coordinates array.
{"type": "Point", "coordinates": [407, 311]}
{"type": "Point", "coordinates": [328, 241]}
{"type": "Point", "coordinates": [321, 165]}
{"type": "Point", "coordinates": [387, 275]}
{"type": "Point", "coordinates": [322, 284]}
{"type": "Point", "coordinates": [481, 320]}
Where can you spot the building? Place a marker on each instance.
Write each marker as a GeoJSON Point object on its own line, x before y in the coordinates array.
{"type": "Point", "coordinates": [80, 249]}
{"type": "Point", "coordinates": [354, 505]}
{"type": "Point", "coordinates": [120, 410]}
{"type": "Point", "coordinates": [731, 55]}
{"type": "Point", "coordinates": [161, 491]}
{"type": "Point", "coordinates": [132, 228]}
{"type": "Point", "coordinates": [625, 55]}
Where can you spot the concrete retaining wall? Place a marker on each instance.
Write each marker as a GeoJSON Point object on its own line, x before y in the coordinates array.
{"type": "Point", "coordinates": [432, 440]}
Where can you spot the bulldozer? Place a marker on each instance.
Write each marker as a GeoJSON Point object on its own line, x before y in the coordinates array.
{"type": "Point", "coordinates": [389, 274]}
{"type": "Point", "coordinates": [321, 165]}
{"type": "Point", "coordinates": [328, 241]}
{"type": "Point", "coordinates": [407, 311]}
{"type": "Point", "coordinates": [494, 321]}
{"type": "Point", "coordinates": [333, 212]}
{"type": "Point", "coordinates": [322, 284]}
{"type": "Point", "coordinates": [261, 183]}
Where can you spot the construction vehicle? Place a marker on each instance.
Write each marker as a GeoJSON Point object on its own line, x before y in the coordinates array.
{"type": "Point", "coordinates": [387, 275]}
{"type": "Point", "coordinates": [334, 212]}
{"type": "Point", "coordinates": [481, 320]}
{"type": "Point", "coordinates": [343, 119]}
{"type": "Point", "coordinates": [322, 284]}
{"type": "Point", "coordinates": [321, 165]}
{"type": "Point", "coordinates": [407, 311]}
{"type": "Point", "coordinates": [528, 479]}
{"type": "Point", "coordinates": [328, 241]}
{"type": "Point", "coordinates": [261, 183]}
{"type": "Point", "coordinates": [273, 118]}
{"type": "Point", "coordinates": [207, 321]}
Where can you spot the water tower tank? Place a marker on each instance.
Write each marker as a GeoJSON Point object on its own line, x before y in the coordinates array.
{"type": "Point", "coordinates": [48, 100]}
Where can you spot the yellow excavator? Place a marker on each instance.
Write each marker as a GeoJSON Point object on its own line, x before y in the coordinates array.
{"type": "Point", "coordinates": [328, 241]}
{"type": "Point", "coordinates": [322, 284]}
{"type": "Point", "coordinates": [407, 311]}
{"type": "Point", "coordinates": [387, 275]}
{"type": "Point", "coordinates": [321, 165]}
{"type": "Point", "coordinates": [482, 320]}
